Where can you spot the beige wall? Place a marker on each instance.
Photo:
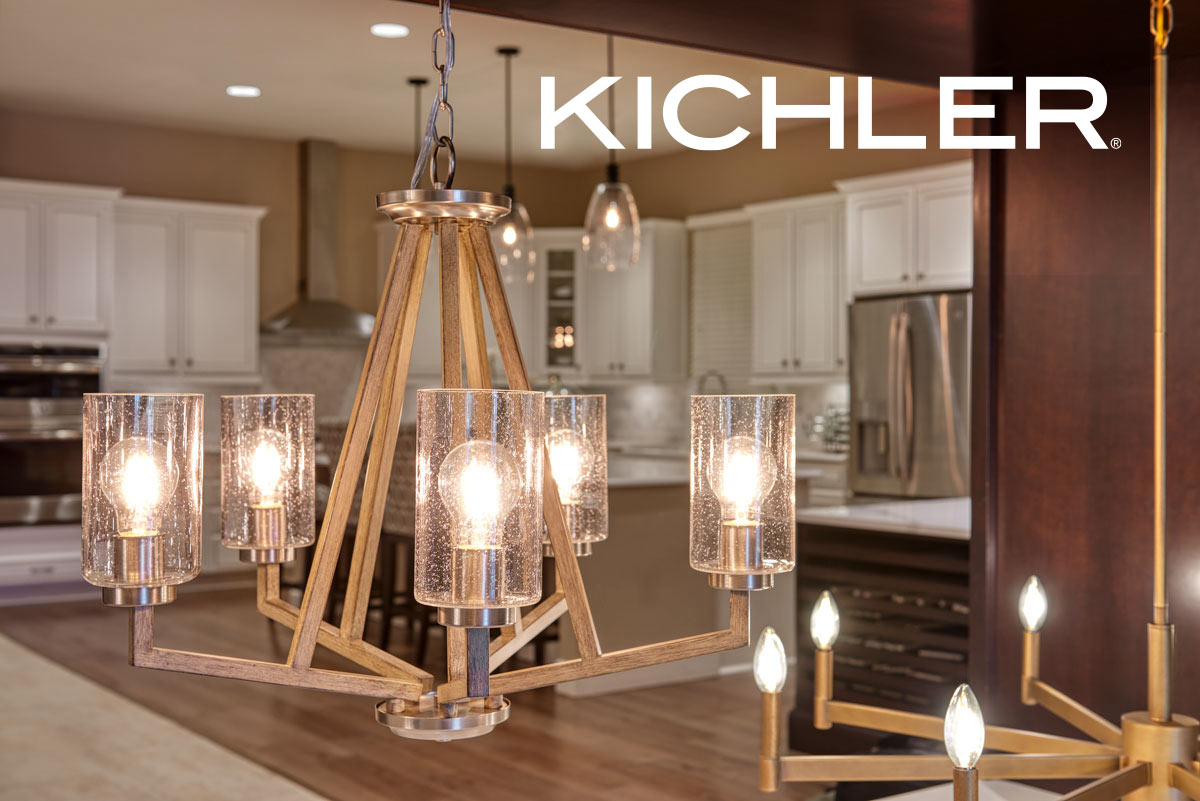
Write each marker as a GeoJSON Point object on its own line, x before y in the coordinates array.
{"type": "Point", "coordinates": [164, 162]}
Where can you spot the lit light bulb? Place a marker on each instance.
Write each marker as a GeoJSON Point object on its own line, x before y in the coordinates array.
{"type": "Point", "coordinates": [964, 732]}
{"type": "Point", "coordinates": [770, 662]}
{"type": "Point", "coordinates": [825, 622]}
{"type": "Point", "coordinates": [1032, 605]}
{"type": "Point", "coordinates": [612, 217]}
{"type": "Point", "coordinates": [479, 484]}
{"type": "Point", "coordinates": [509, 236]}
{"type": "Point", "coordinates": [137, 476]}
{"type": "Point", "coordinates": [569, 461]}
{"type": "Point", "coordinates": [745, 476]}
{"type": "Point", "coordinates": [263, 464]}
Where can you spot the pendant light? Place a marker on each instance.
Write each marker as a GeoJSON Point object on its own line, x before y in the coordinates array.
{"type": "Point", "coordinates": [513, 234]}
{"type": "Point", "coordinates": [612, 232]}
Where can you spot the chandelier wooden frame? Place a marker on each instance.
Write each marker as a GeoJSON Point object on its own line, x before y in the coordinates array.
{"type": "Point", "coordinates": [467, 265]}
{"type": "Point", "coordinates": [1152, 755]}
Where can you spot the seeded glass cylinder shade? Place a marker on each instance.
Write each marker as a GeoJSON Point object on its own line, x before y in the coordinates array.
{"type": "Point", "coordinates": [479, 498]}
{"type": "Point", "coordinates": [512, 237]}
{"type": "Point", "coordinates": [577, 442]}
{"type": "Point", "coordinates": [743, 488]}
{"type": "Point", "coordinates": [267, 475]}
{"type": "Point", "coordinates": [612, 231]}
{"type": "Point", "coordinates": [142, 471]}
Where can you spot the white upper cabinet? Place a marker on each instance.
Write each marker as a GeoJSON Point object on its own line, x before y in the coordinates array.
{"type": "Point", "coordinates": [56, 257]}
{"type": "Point", "coordinates": [634, 322]}
{"type": "Point", "coordinates": [185, 294]}
{"type": "Point", "coordinates": [799, 303]}
{"type": "Point", "coordinates": [909, 231]}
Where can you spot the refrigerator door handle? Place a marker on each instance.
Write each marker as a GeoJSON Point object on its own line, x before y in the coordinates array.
{"type": "Point", "coordinates": [904, 355]}
{"type": "Point", "coordinates": [893, 399]}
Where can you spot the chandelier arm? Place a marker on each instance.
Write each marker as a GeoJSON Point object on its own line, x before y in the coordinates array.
{"type": "Point", "coordinates": [452, 367]}
{"type": "Point", "coordinates": [383, 451]}
{"type": "Point", "coordinates": [570, 580]}
{"type": "Point", "coordinates": [533, 623]}
{"type": "Point", "coordinates": [144, 654]}
{"type": "Point", "coordinates": [736, 636]}
{"type": "Point", "coordinates": [1075, 713]}
{"type": "Point", "coordinates": [933, 728]}
{"type": "Point", "coordinates": [471, 314]}
{"type": "Point", "coordinates": [345, 478]}
{"type": "Point", "coordinates": [1185, 781]}
{"type": "Point", "coordinates": [936, 767]}
{"type": "Point", "coordinates": [1113, 786]}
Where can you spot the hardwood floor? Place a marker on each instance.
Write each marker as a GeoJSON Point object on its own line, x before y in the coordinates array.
{"type": "Point", "coordinates": [696, 741]}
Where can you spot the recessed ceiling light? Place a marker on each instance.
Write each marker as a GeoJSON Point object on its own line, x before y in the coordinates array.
{"type": "Point", "coordinates": [238, 90]}
{"type": "Point", "coordinates": [389, 30]}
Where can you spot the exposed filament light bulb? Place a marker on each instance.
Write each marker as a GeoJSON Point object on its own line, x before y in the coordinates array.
{"type": "Point", "coordinates": [137, 477]}
{"type": "Point", "coordinates": [479, 485]}
{"type": "Point", "coordinates": [964, 732]}
{"type": "Point", "coordinates": [1032, 605]}
{"type": "Point", "coordinates": [509, 235]}
{"type": "Point", "coordinates": [568, 463]}
{"type": "Point", "coordinates": [825, 623]}
{"type": "Point", "coordinates": [770, 662]}
{"type": "Point", "coordinates": [745, 477]}
{"type": "Point", "coordinates": [612, 217]}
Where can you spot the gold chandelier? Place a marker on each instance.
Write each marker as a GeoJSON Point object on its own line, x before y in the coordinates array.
{"type": "Point", "coordinates": [1152, 756]}
{"type": "Point", "coordinates": [490, 479]}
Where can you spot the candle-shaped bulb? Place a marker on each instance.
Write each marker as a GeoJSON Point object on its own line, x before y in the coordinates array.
{"type": "Point", "coordinates": [964, 732]}
{"type": "Point", "coordinates": [825, 622]}
{"type": "Point", "coordinates": [770, 662]}
{"type": "Point", "coordinates": [1032, 605]}
{"type": "Point", "coordinates": [137, 476]}
{"type": "Point", "coordinates": [479, 484]}
{"type": "Point", "coordinates": [743, 479]}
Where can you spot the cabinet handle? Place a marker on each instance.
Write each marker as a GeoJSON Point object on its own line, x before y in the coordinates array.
{"type": "Point", "coordinates": [50, 319]}
{"type": "Point", "coordinates": [621, 367]}
{"type": "Point", "coordinates": [33, 318]}
{"type": "Point", "coordinates": [189, 361]}
{"type": "Point", "coordinates": [904, 277]}
{"type": "Point", "coordinates": [783, 362]}
{"type": "Point", "coordinates": [611, 367]}
{"type": "Point", "coordinates": [920, 276]}
{"type": "Point", "coordinates": [795, 362]}
{"type": "Point", "coordinates": [840, 361]}
{"type": "Point", "coordinates": [171, 362]}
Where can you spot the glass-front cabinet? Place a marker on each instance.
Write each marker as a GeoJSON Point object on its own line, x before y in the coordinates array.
{"type": "Point", "coordinates": [559, 292]}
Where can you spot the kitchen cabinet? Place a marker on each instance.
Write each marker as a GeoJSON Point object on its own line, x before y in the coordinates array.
{"type": "Point", "coordinates": [56, 257]}
{"type": "Point", "coordinates": [909, 231]}
{"type": "Point", "coordinates": [798, 297]}
{"type": "Point", "coordinates": [635, 321]}
{"type": "Point", "coordinates": [556, 336]}
{"type": "Point", "coordinates": [426, 362]}
{"type": "Point", "coordinates": [186, 289]}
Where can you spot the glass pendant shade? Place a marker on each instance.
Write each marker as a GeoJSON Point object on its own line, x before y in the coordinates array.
{"type": "Point", "coordinates": [612, 231]}
{"type": "Point", "coordinates": [743, 484]}
{"type": "Point", "coordinates": [512, 236]}
{"type": "Point", "coordinates": [578, 445]}
{"type": "Point", "coordinates": [479, 498]}
{"type": "Point", "coordinates": [142, 470]}
{"type": "Point", "coordinates": [268, 484]}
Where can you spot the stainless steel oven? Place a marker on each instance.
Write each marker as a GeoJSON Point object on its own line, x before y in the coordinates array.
{"type": "Point", "coordinates": [41, 429]}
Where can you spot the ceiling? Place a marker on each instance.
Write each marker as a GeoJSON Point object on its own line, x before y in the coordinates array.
{"type": "Point", "coordinates": [323, 75]}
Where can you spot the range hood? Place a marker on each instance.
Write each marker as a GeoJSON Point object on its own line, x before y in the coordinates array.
{"type": "Point", "coordinates": [318, 317]}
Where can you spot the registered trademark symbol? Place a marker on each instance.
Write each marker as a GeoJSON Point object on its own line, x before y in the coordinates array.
{"type": "Point", "coordinates": [1115, 143]}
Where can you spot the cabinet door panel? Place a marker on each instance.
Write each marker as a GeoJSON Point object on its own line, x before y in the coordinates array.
{"type": "Point", "coordinates": [817, 304]}
{"type": "Point", "coordinates": [145, 325]}
{"type": "Point", "coordinates": [637, 326]}
{"type": "Point", "coordinates": [603, 319]}
{"type": "Point", "coordinates": [220, 295]}
{"type": "Point", "coordinates": [19, 243]}
{"type": "Point", "coordinates": [945, 235]}
{"type": "Point", "coordinates": [880, 241]}
{"type": "Point", "coordinates": [78, 247]}
{"type": "Point", "coordinates": [773, 260]}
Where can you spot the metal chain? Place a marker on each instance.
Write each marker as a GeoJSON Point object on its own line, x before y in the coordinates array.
{"type": "Point", "coordinates": [434, 141]}
{"type": "Point", "coordinates": [1162, 21]}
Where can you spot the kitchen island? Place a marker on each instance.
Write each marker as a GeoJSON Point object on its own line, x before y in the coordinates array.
{"type": "Point", "coordinates": [899, 573]}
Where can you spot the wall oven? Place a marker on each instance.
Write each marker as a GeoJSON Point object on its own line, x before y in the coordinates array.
{"type": "Point", "coordinates": [41, 429]}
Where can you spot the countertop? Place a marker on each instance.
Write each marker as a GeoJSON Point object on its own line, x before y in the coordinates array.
{"type": "Point", "coordinates": [948, 518]}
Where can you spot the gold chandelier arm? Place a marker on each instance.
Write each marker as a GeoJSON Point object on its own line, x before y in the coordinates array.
{"type": "Point", "coordinates": [1185, 781]}
{"type": "Point", "coordinates": [932, 728]}
{"type": "Point", "coordinates": [936, 767]}
{"type": "Point", "coordinates": [1073, 712]}
{"type": "Point", "coordinates": [1113, 786]}
{"type": "Point", "coordinates": [736, 636]}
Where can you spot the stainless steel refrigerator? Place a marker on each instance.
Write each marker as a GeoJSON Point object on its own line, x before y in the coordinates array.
{"type": "Point", "coordinates": [910, 368]}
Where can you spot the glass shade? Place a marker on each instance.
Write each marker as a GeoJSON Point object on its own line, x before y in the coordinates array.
{"type": "Point", "coordinates": [142, 471]}
{"type": "Point", "coordinates": [612, 231]}
{"type": "Point", "coordinates": [512, 236]}
{"type": "Point", "coordinates": [479, 498]}
{"type": "Point", "coordinates": [268, 499]}
{"type": "Point", "coordinates": [743, 484]}
{"type": "Point", "coordinates": [578, 446]}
